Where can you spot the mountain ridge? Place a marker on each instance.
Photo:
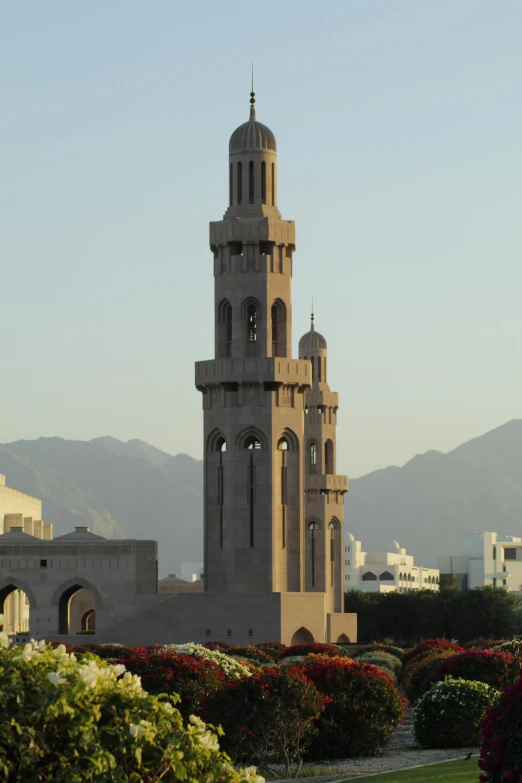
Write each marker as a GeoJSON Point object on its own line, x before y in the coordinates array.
{"type": "Point", "coordinates": [135, 490]}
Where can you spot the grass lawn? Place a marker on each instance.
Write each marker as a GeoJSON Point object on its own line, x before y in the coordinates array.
{"type": "Point", "coordinates": [449, 772]}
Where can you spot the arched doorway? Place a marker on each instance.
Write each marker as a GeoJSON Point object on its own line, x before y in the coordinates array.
{"type": "Point", "coordinates": [88, 621]}
{"type": "Point", "coordinates": [343, 639]}
{"type": "Point", "coordinates": [15, 605]}
{"type": "Point", "coordinates": [76, 611]}
{"type": "Point", "coordinates": [302, 636]}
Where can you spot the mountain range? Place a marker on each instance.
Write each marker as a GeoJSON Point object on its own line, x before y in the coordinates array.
{"type": "Point", "coordinates": [134, 490]}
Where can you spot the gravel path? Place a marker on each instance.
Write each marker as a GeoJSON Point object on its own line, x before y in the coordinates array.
{"type": "Point", "coordinates": [400, 753]}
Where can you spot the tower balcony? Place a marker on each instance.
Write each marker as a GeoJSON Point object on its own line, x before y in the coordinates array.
{"type": "Point", "coordinates": [328, 481]}
{"type": "Point", "coordinates": [273, 369]}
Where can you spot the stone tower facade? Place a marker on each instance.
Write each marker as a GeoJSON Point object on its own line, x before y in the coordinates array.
{"type": "Point", "coordinates": [324, 490]}
{"type": "Point", "coordinates": [253, 391]}
{"type": "Point", "coordinates": [273, 518]}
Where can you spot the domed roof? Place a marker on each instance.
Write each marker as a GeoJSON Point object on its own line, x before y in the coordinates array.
{"type": "Point", "coordinates": [349, 537]}
{"type": "Point", "coordinates": [252, 135]}
{"type": "Point", "coordinates": [312, 340]}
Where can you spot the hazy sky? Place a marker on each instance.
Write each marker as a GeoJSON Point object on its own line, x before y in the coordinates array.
{"type": "Point", "coordinates": [399, 129]}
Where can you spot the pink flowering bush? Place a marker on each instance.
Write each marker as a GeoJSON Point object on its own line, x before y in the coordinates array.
{"type": "Point", "coordinates": [498, 669]}
{"type": "Point", "coordinates": [439, 644]}
{"type": "Point", "coordinates": [501, 751]}
{"type": "Point", "coordinates": [364, 708]}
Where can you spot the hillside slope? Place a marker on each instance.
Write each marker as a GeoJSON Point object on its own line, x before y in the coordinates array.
{"type": "Point", "coordinates": [119, 489]}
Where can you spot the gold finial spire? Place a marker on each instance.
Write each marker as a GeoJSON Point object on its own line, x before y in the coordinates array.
{"type": "Point", "coordinates": [312, 319]}
{"type": "Point", "coordinates": [252, 98]}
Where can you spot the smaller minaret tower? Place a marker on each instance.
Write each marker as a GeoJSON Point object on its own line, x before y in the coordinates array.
{"type": "Point", "coordinates": [324, 501]}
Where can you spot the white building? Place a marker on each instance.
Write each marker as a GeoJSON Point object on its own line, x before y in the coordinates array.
{"type": "Point", "coordinates": [384, 572]}
{"type": "Point", "coordinates": [191, 572]}
{"type": "Point", "coordinates": [485, 559]}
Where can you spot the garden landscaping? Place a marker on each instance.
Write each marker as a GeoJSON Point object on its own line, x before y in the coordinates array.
{"type": "Point", "coordinates": [217, 713]}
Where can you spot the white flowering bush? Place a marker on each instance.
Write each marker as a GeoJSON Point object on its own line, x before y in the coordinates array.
{"type": "Point", "coordinates": [70, 721]}
{"type": "Point", "coordinates": [450, 713]}
{"type": "Point", "coordinates": [514, 646]}
{"type": "Point", "coordinates": [231, 668]}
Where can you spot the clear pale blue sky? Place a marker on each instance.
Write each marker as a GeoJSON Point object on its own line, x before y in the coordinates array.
{"type": "Point", "coordinates": [399, 128]}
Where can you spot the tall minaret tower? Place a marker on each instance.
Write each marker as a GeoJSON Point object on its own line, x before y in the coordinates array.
{"type": "Point", "coordinates": [253, 391]}
{"type": "Point", "coordinates": [324, 505]}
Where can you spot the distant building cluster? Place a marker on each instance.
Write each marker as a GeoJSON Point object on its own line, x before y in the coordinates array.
{"type": "Point", "coordinates": [384, 572]}
{"type": "Point", "coordinates": [485, 559]}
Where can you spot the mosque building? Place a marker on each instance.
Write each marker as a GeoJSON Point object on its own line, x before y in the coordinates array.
{"type": "Point", "coordinates": [273, 503]}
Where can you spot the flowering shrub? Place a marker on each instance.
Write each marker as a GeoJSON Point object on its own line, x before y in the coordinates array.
{"type": "Point", "coordinates": [167, 671]}
{"type": "Point", "coordinates": [273, 649]}
{"type": "Point", "coordinates": [105, 651]}
{"type": "Point", "coordinates": [383, 661]}
{"type": "Point", "coordinates": [440, 644]}
{"type": "Point", "coordinates": [71, 722]}
{"type": "Point", "coordinates": [450, 713]}
{"type": "Point", "coordinates": [267, 718]}
{"type": "Point", "coordinates": [216, 646]}
{"type": "Point", "coordinates": [250, 652]}
{"type": "Point", "coordinates": [232, 670]}
{"type": "Point", "coordinates": [514, 646]}
{"type": "Point", "coordinates": [483, 644]}
{"type": "Point", "coordinates": [501, 751]}
{"type": "Point", "coordinates": [363, 710]}
{"type": "Point", "coordinates": [295, 661]}
{"type": "Point", "coordinates": [498, 669]}
{"type": "Point", "coordinates": [418, 669]}
{"type": "Point", "coordinates": [391, 649]}
{"type": "Point", "coordinates": [313, 647]}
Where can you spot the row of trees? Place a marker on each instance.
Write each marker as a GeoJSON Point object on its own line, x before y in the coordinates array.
{"type": "Point", "coordinates": [487, 612]}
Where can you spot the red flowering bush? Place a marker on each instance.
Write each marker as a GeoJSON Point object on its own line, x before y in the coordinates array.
{"type": "Point", "coordinates": [483, 644]}
{"type": "Point", "coordinates": [419, 668]}
{"type": "Point", "coordinates": [501, 751]}
{"type": "Point", "coordinates": [440, 644]}
{"type": "Point", "coordinates": [221, 646]}
{"type": "Point", "coordinates": [274, 649]}
{"type": "Point", "coordinates": [165, 671]}
{"type": "Point", "coordinates": [313, 647]}
{"type": "Point", "coordinates": [498, 669]}
{"type": "Point", "coordinates": [268, 717]}
{"type": "Point", "coordinates": [364, 708]}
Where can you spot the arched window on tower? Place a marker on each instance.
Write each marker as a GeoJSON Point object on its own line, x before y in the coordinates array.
{"type": "Point", "coordinates": [263, 182]}
{"type": "Point", "coordinates": [319, 370]}
{"type": "Point", "coordinates": [224, 329]}
{"type": "Point", "coordinates": [329, 457]}
{"type": "Point", "coordinates": [231, 185]}
{"type": "Point", "coordinates": [251, 328]}
{"type": "Point", "coordinates": [278, 314]}
{"type": "Point", "coordinates": [239, 182]}
{"type": "Point", "coordinates": [283, 448]}
{"type": "Point", "coordinates": [312, 527]}
{"type": "Point", "coordinates": [312, 456]}
{"type": "Point", "coordinates": [251, 182]}
{"type": "Point", "coordinates": [274, 331]}
{"type": "Point", "coordinates": [273, 184]}
{"type": "Point", "coordinates": [331, 527]}
{"type": "Point", "coordinates": [252, 443]}
{"type": "Point", "coordinates": [221, 446]}
{"type": "Point", "coordinates": [228, 330]}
